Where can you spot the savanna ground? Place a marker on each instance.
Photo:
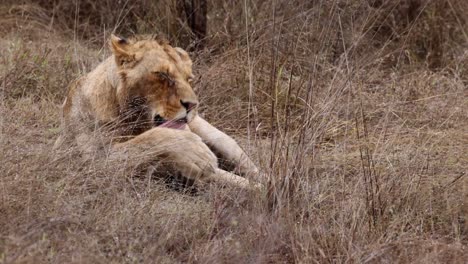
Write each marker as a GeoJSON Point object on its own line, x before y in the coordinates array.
{"type": "Point", "coordinates": [357, 111]}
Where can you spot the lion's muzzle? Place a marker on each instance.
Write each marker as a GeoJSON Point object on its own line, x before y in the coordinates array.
{"type": "Point", "coordinates": [174, 124]}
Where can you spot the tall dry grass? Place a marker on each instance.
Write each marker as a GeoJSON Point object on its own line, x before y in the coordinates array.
{"type": "Point", "coordinates": [355, 109]}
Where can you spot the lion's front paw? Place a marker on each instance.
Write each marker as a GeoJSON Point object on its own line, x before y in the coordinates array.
{"type": "Point", "coordinates": [192, 157]}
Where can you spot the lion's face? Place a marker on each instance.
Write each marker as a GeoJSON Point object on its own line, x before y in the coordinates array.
{"type": "Point", "coordinates": [155, 82]}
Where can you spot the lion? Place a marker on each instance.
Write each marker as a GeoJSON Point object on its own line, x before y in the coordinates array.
{"type": "Point", "coordinates": [139, 106]}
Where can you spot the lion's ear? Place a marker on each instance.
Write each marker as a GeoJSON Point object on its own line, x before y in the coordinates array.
{"type": "Point", "coordinates": [121, 48]}
{"type": "Point", "coordinates": [183, 54]}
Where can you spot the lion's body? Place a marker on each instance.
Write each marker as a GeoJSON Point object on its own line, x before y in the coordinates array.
{"type": "Point", "coordinates": [139, 103]}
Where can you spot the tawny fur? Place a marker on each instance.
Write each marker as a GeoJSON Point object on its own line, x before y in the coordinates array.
{"type": "Point", "coordinates": [115, 106]}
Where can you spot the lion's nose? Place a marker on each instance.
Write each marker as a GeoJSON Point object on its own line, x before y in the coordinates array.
{"type": "Point", "coordinates": [189, 106]}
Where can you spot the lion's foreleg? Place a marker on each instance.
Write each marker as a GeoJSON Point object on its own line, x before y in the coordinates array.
{"type": "Point", "coordinates": [223, 144]}
{"type": "Point", "coordinates": [184, 151]}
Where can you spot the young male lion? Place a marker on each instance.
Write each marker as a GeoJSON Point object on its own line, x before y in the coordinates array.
{"type": "Point", "coordinates": [140, 104]}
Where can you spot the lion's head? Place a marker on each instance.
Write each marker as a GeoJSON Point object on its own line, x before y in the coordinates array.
{"type": "Point", "coordinates": [155, 82]}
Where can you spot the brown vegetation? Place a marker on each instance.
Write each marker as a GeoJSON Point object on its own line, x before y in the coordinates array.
{"type": "Point", "coordinates": [357, 111]}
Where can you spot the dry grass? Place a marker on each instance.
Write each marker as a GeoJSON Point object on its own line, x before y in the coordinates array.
{"type": "Point", "coordinates": [356, 110]}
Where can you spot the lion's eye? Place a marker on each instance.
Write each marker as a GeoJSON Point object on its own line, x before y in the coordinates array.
{"type": "Point", "coordinates": [162, 75]}
{"type": "Point", "coordinates": [165, 77]}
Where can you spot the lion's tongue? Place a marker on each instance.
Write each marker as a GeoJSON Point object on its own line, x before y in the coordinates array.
{"type": "Point", "coordinates": [174, 124]}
